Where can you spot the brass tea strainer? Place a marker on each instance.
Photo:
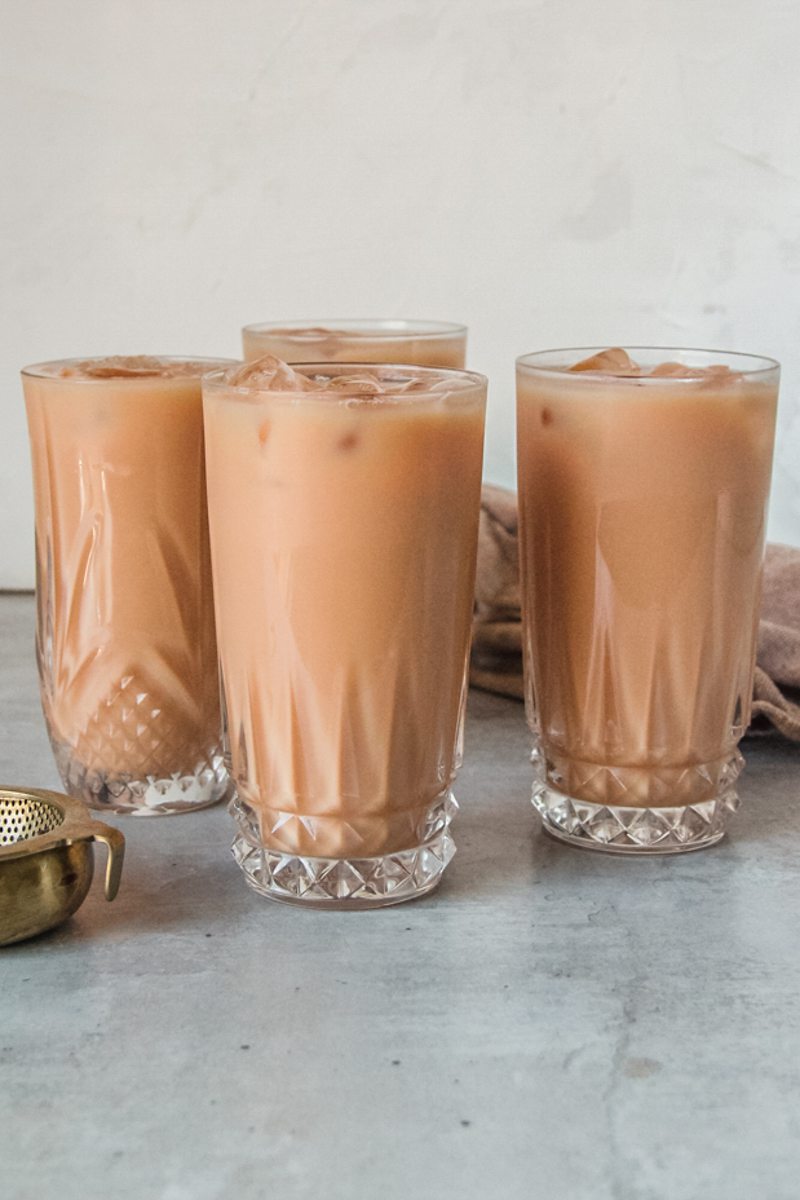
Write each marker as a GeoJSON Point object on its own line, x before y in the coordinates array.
{"type": "Point", "coordinates": [47, 860]}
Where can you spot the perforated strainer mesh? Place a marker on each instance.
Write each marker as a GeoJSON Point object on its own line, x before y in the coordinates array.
{"type": "Point", "coordinates": [23, 817]}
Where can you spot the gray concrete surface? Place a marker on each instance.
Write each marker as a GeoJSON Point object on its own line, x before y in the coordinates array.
{"type": "Point", "coordinates": [552, 1024]}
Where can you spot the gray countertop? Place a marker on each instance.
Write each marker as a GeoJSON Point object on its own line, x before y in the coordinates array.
{"type": "Point", "coordinates": [551, 1024]}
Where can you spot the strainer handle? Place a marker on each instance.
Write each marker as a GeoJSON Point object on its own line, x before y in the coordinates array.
{"type": "Point", "coordinates": [115, 844]}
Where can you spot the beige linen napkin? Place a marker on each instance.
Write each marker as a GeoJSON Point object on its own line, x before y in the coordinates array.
{"type": "Point", "coordinates": [496, 663]}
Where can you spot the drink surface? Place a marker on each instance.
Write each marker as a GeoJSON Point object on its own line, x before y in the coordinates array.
{"type": "Point", "coordinates": [316, 344]}
{"type": "Point", "coordinates": [126, 637]}
{"type": "Point", "coordinates": [137, 366]}
{"type": "Point", "coordinates": [643, 495]}
{"type": "Point", "coordinates": [344, 600]}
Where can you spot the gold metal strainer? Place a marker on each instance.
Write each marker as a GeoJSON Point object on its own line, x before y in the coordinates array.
{"type": "Point", "coordinates": [47, 860]}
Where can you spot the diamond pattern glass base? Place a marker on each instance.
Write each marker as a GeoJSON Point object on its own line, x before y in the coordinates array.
{"type": "Point", "coordinates": [622, 829]}
{"type": "Point", "coordinates": [344, 883]}
{"type": "Point", "coordinates": [205, 784]}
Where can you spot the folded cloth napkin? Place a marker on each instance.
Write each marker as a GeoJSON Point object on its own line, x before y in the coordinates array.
{"type": "Point", "coordinates": [496, 663]}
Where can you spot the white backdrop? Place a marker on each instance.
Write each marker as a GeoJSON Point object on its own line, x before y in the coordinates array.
{"type": "Point", "coordinates": [550, 172]}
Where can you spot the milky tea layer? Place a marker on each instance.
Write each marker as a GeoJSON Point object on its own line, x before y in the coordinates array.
{"type": "Point", "coordinates": [126, 620]}
{"type": "Point", "coordinates": [344, 517]}
{"type": "Point", "coordinates": [317, 344]}
{"type": "Point", "coordinates": [643, 500]}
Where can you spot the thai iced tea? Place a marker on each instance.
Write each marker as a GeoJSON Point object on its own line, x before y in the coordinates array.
{"type": "Point", "coordinates": [643, 486]}
{"type": "Point", "coordinates": [343, 512]}
{"type": "Point", "coordinates": [126, 643]}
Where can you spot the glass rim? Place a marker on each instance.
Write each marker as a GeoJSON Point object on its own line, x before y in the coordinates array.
{"type": "Point", "coordinates": [46, 370]}
{"type": "Point", "coordinates": [465, 383]}
{"type": "Point", "coordinates": [387, 329]}
{"type": "Point", "coordinates": [535, 362]}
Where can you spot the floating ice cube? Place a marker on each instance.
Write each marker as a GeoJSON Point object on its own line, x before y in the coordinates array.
{"type": "Point", "coordinates": [714, 373]}
{"type": "Point", "coordinates": [271, 374]}
{"type": "Point", "coordinates": [614, 361]}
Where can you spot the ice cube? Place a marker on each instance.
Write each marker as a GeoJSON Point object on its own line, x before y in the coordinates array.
{"type": "Point", "coordinates": [714, 373]}
{"type": "Point", "coordinates": [670, 370]}
{"type": "Point", "coordinates": [614, 361]}
{"type": "Point", "coordinates": [355, 385]}
{"type": "Point", "coordinates": [720, 373]}
{"type": "Point", "coordinates": [271, 374]}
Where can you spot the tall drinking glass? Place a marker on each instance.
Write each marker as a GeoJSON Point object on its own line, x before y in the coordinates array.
{"type": "Point", "coordinates": [344, 518]}
{"type": "Point", "coordinates": [125, 634]}
{"type": "Point", "coordinates": [424, 343]}
{"type": "Point", "coordinates": [643, 486]}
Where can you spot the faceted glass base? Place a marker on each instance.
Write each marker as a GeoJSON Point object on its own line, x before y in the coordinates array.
{"type": "Point", "coordinates": [151, 796]}
{"type": "Point", "coordinates": [345, 883]}
{"type": "Point", "coordinates": [622, 829]}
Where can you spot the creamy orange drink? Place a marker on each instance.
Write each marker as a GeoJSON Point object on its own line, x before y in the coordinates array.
{"type": "Point", "coordinates": [125, 642]}
{"type": "Point", "coordinates": [343, 506]}
{"type": "Point", "coordinates": [424, 343]}
{"type": "Point", "coordinates": [643, 486]}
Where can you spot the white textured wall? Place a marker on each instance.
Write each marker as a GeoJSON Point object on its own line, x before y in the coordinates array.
{"type": "Point", "coordinates": [549, 171]}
